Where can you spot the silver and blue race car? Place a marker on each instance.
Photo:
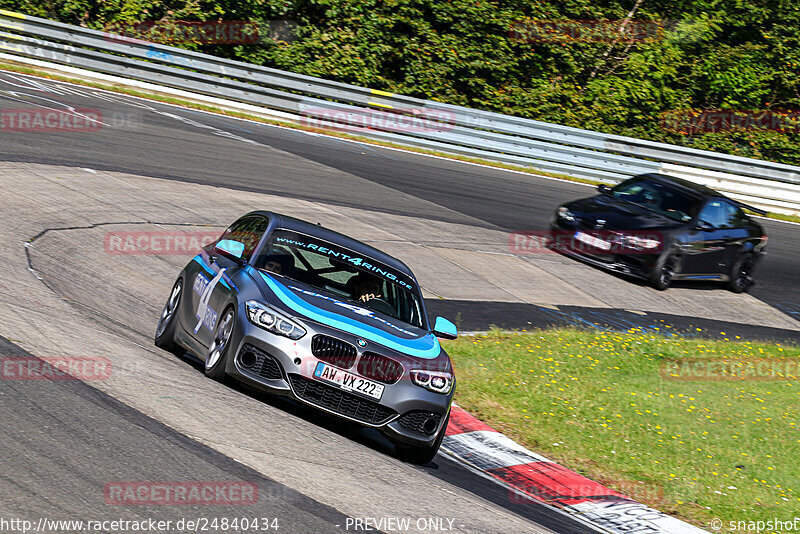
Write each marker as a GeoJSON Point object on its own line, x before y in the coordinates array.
{"type": "Point", "coordinates": [296, 309]}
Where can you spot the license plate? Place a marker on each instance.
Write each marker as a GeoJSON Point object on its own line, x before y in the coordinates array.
{"type": "Point", "coordinates": [348, 381]}
{"type": "Point", "coordinates": [596, 242]}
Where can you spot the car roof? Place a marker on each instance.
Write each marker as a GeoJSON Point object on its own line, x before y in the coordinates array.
{"type": "Point", "coordinates": [692, 188]}
{"type": "Point", "coordinates": [291, 223]}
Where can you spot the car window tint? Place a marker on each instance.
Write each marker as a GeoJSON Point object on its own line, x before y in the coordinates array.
{"type": "Point", "coordinates": [713, 213]}
{"type": "Point", "coordinates": [736, 217]}
{"type": "Point", "coordinates": [657, 197]}
{"type": "Point", "coordinates": [722, 214]}
{"type": "Point", "coordinates": [247, 230]}
{"type": "Point", "coordinates": [342, 273]}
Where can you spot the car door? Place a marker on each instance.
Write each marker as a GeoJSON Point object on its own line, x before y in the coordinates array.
{"type": "Point", "coordinates": [707, 244]}
{"type": "Point", "coordinates": [213, 287]}
{"type": "Point", "coordinates": [735, 231]}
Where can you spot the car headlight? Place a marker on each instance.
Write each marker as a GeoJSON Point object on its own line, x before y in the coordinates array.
{"type": "Point", "coordinates": [270, 320]}
{"type": "Point", "coordinates": [641, 242]}
{"type": "Point", "coordinates": [436, 381]}
{"type": "Point", "coordinates": [565, 214]}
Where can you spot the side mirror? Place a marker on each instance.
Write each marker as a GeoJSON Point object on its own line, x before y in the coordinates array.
{"type": "Point", "coordinates": [230, 248]}
{"type": "Point", "coordinates": [704, 226]}
{"type": "Point", "coordinates": [444, 329]}
{"type": "Point", "coordinates": [603, 188]}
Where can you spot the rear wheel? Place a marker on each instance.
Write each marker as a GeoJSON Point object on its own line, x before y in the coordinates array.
{"type": "Point", "coordinates": [424, 454]}
{"type": "Point", "coordinates": [664, 272]}
{"type": "Point", "coordinates": [165, 331]}
{"type": "Point", "coordinates": [742, 273]}
{"type": "Point", "coordinates": [217, 356]}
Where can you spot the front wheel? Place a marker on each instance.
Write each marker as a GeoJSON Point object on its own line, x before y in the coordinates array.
{"type": "Point", "coordinates": [424, 454]}
{"type": "Point", "coordinates": [664, 272]}
{"type": "Point", "coordinates": [742, 274]}
{"type": "Point", "coordinates": [217, 356]}
{"type": "Point", "coordinates": [165, 331]}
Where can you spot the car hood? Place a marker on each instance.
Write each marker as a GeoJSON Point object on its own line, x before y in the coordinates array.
{"type": "Point", "coordinates": [618, 214]}
{"type": "Point", "coordinates": [303, 301]}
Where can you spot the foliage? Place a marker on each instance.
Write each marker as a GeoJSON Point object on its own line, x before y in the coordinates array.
{"type": "Point", "coordinates": [709, 55]}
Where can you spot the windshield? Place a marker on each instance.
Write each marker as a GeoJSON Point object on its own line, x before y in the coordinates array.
{"type": "Point", "coordinates": [658, 197]}
{"type": "Point", "coordinates": [342, 273]}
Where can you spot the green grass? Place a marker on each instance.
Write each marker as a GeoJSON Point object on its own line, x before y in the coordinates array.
{"type": "Point", "coordinates": [599, 404]}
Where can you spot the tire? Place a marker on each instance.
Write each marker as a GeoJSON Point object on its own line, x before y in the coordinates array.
{"type": "Point", "coordinates": [664, 272]}
{"type": "Point", "coordinates": [165, 331]}
{"type": "Point", "coordinates": [742, 273]}
{"type": "Point", "coordinates": [217, 355]}
{"type": "Point", "coordinates": [422, 455]}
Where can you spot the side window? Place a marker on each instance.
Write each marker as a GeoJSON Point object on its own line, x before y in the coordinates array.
{"type": "Point", "coordinates": [714, 213]}
{"type": "Point", "coordinates": [736, 217]}
{"type": "Point", "coordinates": [248, 231]}
{"type": "Point", "coordinates": [722, 214]}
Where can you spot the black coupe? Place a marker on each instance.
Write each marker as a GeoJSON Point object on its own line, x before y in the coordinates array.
{"type": "Point", "coordinates": [660, 228]}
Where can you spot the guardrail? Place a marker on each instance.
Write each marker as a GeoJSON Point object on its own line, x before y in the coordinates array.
{"type": "Point", "coordinates": [400, 119]}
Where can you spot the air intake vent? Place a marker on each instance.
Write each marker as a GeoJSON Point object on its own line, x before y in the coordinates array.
{"type": "Point", "coordinates": [340, 402]}
{"type": "Point", "coordinates": [259, 362]}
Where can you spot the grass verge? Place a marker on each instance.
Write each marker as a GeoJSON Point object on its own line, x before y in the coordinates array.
{"type": "Point", "coordinates": [605, 405]}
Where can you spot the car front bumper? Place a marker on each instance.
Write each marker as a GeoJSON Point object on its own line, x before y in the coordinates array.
{"type": "Point", "coordinates": [405, 412]}
{"type": "Point", "coordinates": [636, 264]}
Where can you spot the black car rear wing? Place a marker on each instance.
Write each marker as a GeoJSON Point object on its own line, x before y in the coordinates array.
{"type": "Point", "coordinates": [757, 211]}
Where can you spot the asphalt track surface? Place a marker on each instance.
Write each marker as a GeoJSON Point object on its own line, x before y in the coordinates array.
{"type": "Point", "coordinates": [63, 439]}
{"type": "Point", "coordinates": [163, 141]}
{"type": "Point", "coordinates": [156, 140]}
